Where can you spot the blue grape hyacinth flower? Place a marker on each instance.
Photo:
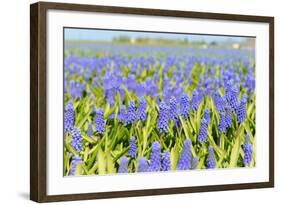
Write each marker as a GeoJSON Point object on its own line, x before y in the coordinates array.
{"type": "Point", "coordinates": [222, 124]}
{"type": "Point", "coordinates": [166, 161]}
{"type": "Point", "coordinates": [123, 167]}
{"type": "Point", "coordinates": [184, 162]}
{"type": "Point", "coordinates": [194, 163]}
{"type": "Point", "coordinates": [211, 159]}
{"type": "Point", "coordinates": [163, 118]}
{"type": "Point", "coordinates": [196, 99]}
{"type": "Point", "coordinates": [248, 150]}
{"type": "Point", "coordinates": [203, 132]}
{"type": "Point", "coordinates": [155, 157]}
{"type": "Point", "coordinates": [122, 116]}
{"type": "Point", "coordinates": [76, 89]}
{"type": "Point", "coordinates": [241, 110]}
{"type": "Point", "coordinates": [132, 113]}
{"type": "Point", "coordinates": [76, 139]}
{"type": "Point", "coordinates": [207, 116]}
{"type": "Point", "coordinates": [99, 121]}
{"type": "Point", "coordinates": [143, 165]}
{"type": "Point", "coordinates": [142, 109]}
{"type": "Point", "coordinates": [232, 92]}
{"type": "Point", "coordinates": [219, 101]}
{"type": "Point", "coordinates": [174, 110]}
{"type": "Point", "coordinates": [228, 117]}
{"type": "Point", "coordinates": [133, 148]}
{"type": "Point", "coordinates": [69, 117]}
{"type": "Point", "coordinates": [90, 130]}
{"type": "Point", "coordinates": [184, 106]}
{"type": "Point", "coordinates": [76, 160]}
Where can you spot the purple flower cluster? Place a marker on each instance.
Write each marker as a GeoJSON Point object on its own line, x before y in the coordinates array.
{"type": "Point", "coordinates": [232, 92]}
{"type": "Point", "coordinates": [75, 161]}
{"type": "Point", "coordinates": [76, 89]}
{"type": "Point", "coordinates": [76, 139]}
{"type": "Point", "coordinates": [222, 124]}
{"type": "Point", "coordinates": [184, 162]}
{"type": "Point", "coordinates": [142, 109]}
{"type": "Point", "coordinates": [203, 132]}
{"type": "Point", "coordinates": [90, 130]}
{"type": "Point", "coordinates": [163, 117]}
{"type": "Point", "coordinates": [166, 161]}
{"type": "Point", "coordinates": [248, 150]}
{"type": "Point", "coordinates": [132, 113]}
{"type": "Point", "coordinates": [123, 114]}
{"type": "Point", "coordinates": [241, 110]}
{"type": "Point", "coordinates": [143, 165]}
{"type": "Point", "coordinates": [228, 117]}
{"type": "Point", "coordinates": [133, 148]}
{"type": "Point", "coordinates": [184, 106]}
{"type": "Point", "coordinates": [174, 110]}
{"type": "Point", "coordinates": [197, 97]}
{"type": "Point", "coordinates": [69, 117]}
{"type": "Point", "coordinates": [123, 167]}
{"type": "Point", "coordinates": [211, 159]}
{"type": "Point", "coordinates": [99, 121]}
{"type": "Point", "coordinates": [207, 116]}
{"type": "Point", "coordinates": [194, 163]}
{"type": "Point", "coordinates": [155, 157]}
{"type": "Point", "coordinates": [220, 102]}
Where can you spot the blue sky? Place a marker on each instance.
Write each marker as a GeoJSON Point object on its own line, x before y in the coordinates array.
{"type": "Point", "coordinates": [107, 35]}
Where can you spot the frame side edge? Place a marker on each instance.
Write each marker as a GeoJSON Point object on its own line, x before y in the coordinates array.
{"type": "Point", "coordinates": [271, 100]}
{"type": "Point", "coordinates": [34, 170]}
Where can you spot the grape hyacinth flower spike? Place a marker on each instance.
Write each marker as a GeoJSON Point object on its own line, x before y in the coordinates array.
{"type": "Point", "coordinates": [99, 120]}
{"type": "Point", "coordinates": [132, 113]}
{"type": "Point", "coordinates": [76, 160]}
{"type": "Point", "coordinates": [196, 99]}
{"type": "Point", "coordinates": [211, 159]}
{"type": "Point", "coordinates": [207, 116]}
{"type": "Point", "coordinates": [122, 114]}
{"type": "Point", "coordinates": [155, 157]}
{"type": "Point", "coordinates": [203, 132]}
{"type": "Point", "coordinates": [76, 139]}
{"type": "Point", "coordinates": [69, 117]}
{"type": "Point", "coordinates": [166, 161]}
{"type": "Point", "coordinates": [163, 117]}
{"type": "Point", "coordinates": [142, 109]}
{"type": "Point", "coordinates": [184, 106]}
{"type": "Point", "coordinates": [174, 110]}
{"type": "Point", "coordinates": [143, 165]}
{"type": "Point", "coordinates": [185, 157]}
{"type": "Point", "coordinates": [241, 110]}
{"type": "Point", "coordinates": [222, 124]}
{"type": "Point", "coordinates": [194, 163]}
{"type": "Point", "coordinates": [248, 150]}
{"type": "Point", "coordinates": [228, 117]}
{"type": "Point", "coordinates": [133, 148]}
{"type": "Point", "coordinates": [123, 167]}
{"type": "Point", "coordinates": [220, 102]}
{"type": "Point", "coordinates": [90, 130]}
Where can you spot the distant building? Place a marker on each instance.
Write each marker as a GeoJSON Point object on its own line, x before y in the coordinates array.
{"type": "Point", "coordinates": [132, 40]}
{"type": "Point", "coordinates": [236, 46]}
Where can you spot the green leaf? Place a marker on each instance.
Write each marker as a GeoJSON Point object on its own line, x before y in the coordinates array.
{"type": "Point", "coordinates": [101, 162]}
{"type": "Point", "coordinates": [110, 164]}
{"type": "Point", "coordinates": [235, 149]}
{"type": "Point", "coordinates": [174, 157]}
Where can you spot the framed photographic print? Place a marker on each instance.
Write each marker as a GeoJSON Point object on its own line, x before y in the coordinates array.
{"type": "Point", "coordinates": [134, 102]}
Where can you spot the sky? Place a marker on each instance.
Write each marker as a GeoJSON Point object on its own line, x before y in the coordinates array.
{"type": "Point", "coordinates": [107, 35]}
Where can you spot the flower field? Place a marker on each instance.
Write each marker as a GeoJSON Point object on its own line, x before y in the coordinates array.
{"type": "Point", "coordinates": [135, 109]}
